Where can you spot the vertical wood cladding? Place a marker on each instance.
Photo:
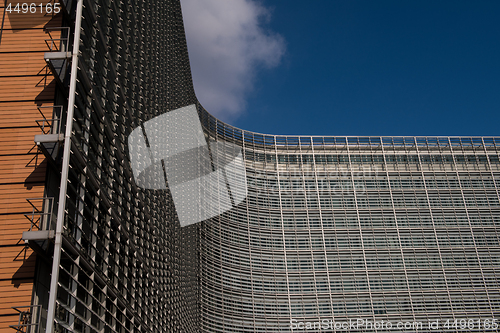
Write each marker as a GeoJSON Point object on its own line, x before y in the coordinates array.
{"type": "Point", "coordinates": [25, 84]}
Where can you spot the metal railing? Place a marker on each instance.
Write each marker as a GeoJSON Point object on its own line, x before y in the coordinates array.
{"type": "Point", "coordinates": [58, 44]}
{"type": "Point", "coordinates": [41, 218]}
{"type": "Point", "coordinates": [29, 319]}
{"type": "Point", "coordinates": [53, 125]}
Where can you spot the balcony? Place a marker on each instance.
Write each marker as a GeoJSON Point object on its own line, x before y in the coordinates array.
{"type": "Point", "coordinates": [42, 220]}
{"type": "Point", "coordinates": [58, 57]}
{"type": "Point", "coordinates": [51, 139]}
{"type": "Point", "coordinates": [29, 319]}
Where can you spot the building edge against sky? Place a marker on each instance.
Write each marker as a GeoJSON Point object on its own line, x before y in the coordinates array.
{"type": "Point", "coordinates": [400, 229]}
{"type": "Point", "coordinates": [69, 104]}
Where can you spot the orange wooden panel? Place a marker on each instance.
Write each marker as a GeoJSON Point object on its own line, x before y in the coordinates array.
{"type": "Point", "coordinates": [10, 220]}
{"type": "Point", "coordinates": [17, 262]}
{"type": "Point", "coordinates": [13, 197]}
{"type": "Point", "coordinates": [14, 293]}
{"type": "Point", "coordinates": [7, 286]}
{"type": "Point", "coordinates": [6, 321]}
{"type": "Point", "coordinates": [12, 227]}
{"type": "Point", "coordinates": [12, 238]}
{"type": "Point", "coordinates": [25, 82]}
{"type": "Point", "coordinates": [28, 129]}
{"type": "Point", "coordinates": [18, 141]}
{"type": "Point", "coordinates": [6, 309]}
{"type": "Point", "coordinates": [27, 105]}
{"type": "Point", "coordinates": [24, 164]}
{"type": "Point", "coordinates": [27, 88]}
{"type": "Point", "coordinates": [16, 203]}
{"type": "Point", "coordinates": [22, 168]}
{"type": "Point", "coordinates": [20, 114]}
{"type": "Point", "coordinates": [30, 63]}
{"type": "Point", "coordinates": [27, 40]}
{"type": "Point", "coordinates": [17, 195]}
{"type": "Point", "coordinates": [18, 147]}
{"type": "Point", "coordinates": [18, 190]}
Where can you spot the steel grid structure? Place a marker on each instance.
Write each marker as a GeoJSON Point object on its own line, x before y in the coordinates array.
{"type": "Point", "coordinates": [116, 258]}
{"type": "Point", "coordinates": [400, 229]}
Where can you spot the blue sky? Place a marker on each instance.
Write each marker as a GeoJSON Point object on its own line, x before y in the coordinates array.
{"type": "Point", "coordinates": [354, 67]}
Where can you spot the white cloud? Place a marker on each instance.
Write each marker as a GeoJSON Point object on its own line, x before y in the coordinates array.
{"type": "Point", "coordinates": [227, 43]}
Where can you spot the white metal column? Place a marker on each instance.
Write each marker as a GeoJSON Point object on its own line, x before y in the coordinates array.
{"type": "Point", "coordinates": [64, 173]}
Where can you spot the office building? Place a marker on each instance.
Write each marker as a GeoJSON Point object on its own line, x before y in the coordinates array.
{"type": "Point", "coordinates": [69, 98]}
{"type": "Point", "coordinates": [377, 229]}
{"type": "Point", "coordinates": [394, 229]}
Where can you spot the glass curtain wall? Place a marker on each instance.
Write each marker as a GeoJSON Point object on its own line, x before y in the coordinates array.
{"type": "Point", "coordinates": [126, 265]}
{"type": "Point", "coordinates": [400, 229]}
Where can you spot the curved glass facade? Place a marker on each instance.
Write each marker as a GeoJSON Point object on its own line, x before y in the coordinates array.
{"type": "Point", "coordinates": [125, 264]}
{"type": "Point", "coordinates": [394, 229]}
